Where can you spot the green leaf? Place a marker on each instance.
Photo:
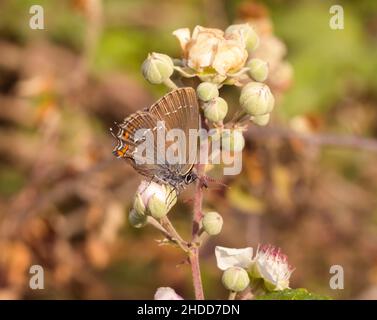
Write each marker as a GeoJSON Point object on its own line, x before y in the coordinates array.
{"type": "Point", "coordinates": [292, 294]}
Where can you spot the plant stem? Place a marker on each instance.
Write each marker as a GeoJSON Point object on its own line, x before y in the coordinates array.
{"type": "Point", "coordinates": [170, 84]}
{"type": "Point", "coordinates": [174, 234]}
{"type": "Point", "coordinates": [194, 250]}
{"type": "Point", "coordinates": [198, 199]}
{"type": "Point", "coordinates": [232, 295]}
{"type": "Point", "coordinates": [195, 270]}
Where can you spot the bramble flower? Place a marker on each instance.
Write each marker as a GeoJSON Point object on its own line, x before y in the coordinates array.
{"type": "Point", "coordinates": [211, 54]}
{"type": "Point", "coordinates": [229, 257]}
{"type": "Point", "coordinates": [154, 199]}
{"type": "Point", "coordinates": [166, 293]}
{"type": "Point", "coordinates": [271, 265]}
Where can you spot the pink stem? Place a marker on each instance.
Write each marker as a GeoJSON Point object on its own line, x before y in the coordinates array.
{"type": "Point", "coordinates": [194, 250]}
{"type": "Point", "coordinates": [196, 277]}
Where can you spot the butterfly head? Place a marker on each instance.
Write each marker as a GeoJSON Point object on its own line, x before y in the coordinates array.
{"type": "Point", "coordinates": [190, 177]}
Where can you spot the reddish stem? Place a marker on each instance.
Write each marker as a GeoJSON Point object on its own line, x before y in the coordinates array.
{"type": "Point", "coordinates": [194, 250]}
{"type": "Point", "coordinates": [196, 277]}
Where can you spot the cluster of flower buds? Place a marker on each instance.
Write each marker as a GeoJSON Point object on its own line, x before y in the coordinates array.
{"type": "Point", "coordinates": [218, 58]}
{"type": "Point", "coordinates": [151, 199]}
{"type": "Point", "coordinates": [269, 268]}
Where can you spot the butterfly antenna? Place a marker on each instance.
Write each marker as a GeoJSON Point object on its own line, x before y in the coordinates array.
{"type": "Point", "coordinates": [112, 130]}
{"type": "Point", "coordinates": [209, 179]}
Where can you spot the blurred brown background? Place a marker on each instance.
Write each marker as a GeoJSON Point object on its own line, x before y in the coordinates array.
{"type": "Point", "coordinates": [309, 181]}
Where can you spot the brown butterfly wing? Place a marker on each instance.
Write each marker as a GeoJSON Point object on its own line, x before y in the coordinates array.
{"type": "Point", "coordinates": [178, 110]}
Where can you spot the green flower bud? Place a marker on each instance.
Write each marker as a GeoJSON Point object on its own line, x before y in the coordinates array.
{"type": "Point", "coordinates": [247, 32]}
{"type": "Point", "coordinates": [258, 69]}
{"type": "Point", "coordinates": [256, 99]}
{"type": "Point", "coordinates": [139, 205]}
{"type": "Point", "coordinates": [157, 68]}
{"type": "Point", "coordinates": [137, 220]}
{"type": "Point", "coordinates": [232, 140]}
{"type": "Point", "coordinates": [261, 120]}
{"type": "Point", "coordinates": [216, 109]}
{"type": "Point", "coordinates": [154, 199]}
{"type": "Point", "coordinates": [212, 223]}
{"type": "Point", "coordinates": [206, 91]}
{"type": "Point", "coordinates": [157, 208]}
{"type": "Point", "coordinates": [235, 279]}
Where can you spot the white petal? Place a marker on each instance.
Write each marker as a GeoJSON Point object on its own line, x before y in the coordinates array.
{"type": "Point", "coordinates": [166, 293]}
{"type": "Point", "coordinates": [183, 36]}
{"type": "Point", "coordinates": [229, 257]}
{"type": "Point", "coordinates": [147, 189]}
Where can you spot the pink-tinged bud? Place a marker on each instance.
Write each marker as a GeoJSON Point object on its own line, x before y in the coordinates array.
{"type": "Point", "coordinates": [256, 99]}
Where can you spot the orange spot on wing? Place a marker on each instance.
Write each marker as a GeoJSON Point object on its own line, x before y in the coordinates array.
{"type": "Point", "coordinates": [123, 151]}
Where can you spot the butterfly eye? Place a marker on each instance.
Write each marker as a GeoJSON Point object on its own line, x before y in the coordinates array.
{"type": "Point", "coordinates": [188, 178]}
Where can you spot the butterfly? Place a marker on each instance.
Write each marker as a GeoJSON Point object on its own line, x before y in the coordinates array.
{"type": "Point", "coordinates": [178, 109]}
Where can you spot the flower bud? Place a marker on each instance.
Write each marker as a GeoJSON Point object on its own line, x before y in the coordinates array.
{"type": "Point", "coordinates": [248, 34]}
{"type": "Point", "coordinates": [166, 293]}
{"type": "Point", "coordinates": [232, 140]}
{"type": "Point", "coordinates": [137, 220]}
{"type": "Point", "coordinates": [235, 279]}
{"type": "Point", "coordinates": [256, 99]}
{"type": "Point", "coordinates": [258, 69]}
{"type": "Point", "coordinates": [216, 109]}
{"type": "Point", "coordinates": [139, 206]}
{"type": "Point", "coordinates": [154, 199]}
{"type": "Point", "coordinates": [157, 207]}
{"type": "Point", "coordinates": [157, 68]}
{"type": "Point", "coordinates": [261, 120]}
{"type": "Point", "coordinates": [212, 223]}
{"type": "Point", "coordinates": [206, 91]}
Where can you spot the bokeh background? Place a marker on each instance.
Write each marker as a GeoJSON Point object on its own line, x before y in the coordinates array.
{"type": "Point", "coordinates": [309, 179]}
